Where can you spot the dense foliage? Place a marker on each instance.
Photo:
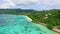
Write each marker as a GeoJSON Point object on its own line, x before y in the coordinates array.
{"type": "Point", "coordinates": [49, 17]}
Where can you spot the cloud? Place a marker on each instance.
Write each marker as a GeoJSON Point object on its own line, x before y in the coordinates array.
{"type": "Point", "coordinates": [30, 4]}
{"type": "Point", "coordinates": [25, 2]}
{"type": "Point", "coordinates": [50, 2]}
{"type": "Point", "coordinates": [33, 2]}
{"type": "Point", "coordinates": [6, 4]}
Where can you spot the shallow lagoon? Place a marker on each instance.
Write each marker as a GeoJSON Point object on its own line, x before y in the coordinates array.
{"type": "Point", "coordinates": [18, 24]}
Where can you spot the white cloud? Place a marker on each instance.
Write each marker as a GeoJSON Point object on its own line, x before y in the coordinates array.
{"type": "Point", "coordinates": [25, 2]}
{"type": "Point", "coordinates": [18, 3]}
{"type": "Point", "coordinates": [6, 4]}
{"type": "Point", "coordinates": [50, 2]}
{"type": "Point", "coordinates": [32, 2]}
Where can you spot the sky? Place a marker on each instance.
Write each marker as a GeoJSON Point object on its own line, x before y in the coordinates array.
{"type": "Point", "coordinates": [30, 4]}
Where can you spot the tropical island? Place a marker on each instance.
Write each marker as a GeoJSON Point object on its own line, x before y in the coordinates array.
{"type": "Point", "coordinates": [48, 18]}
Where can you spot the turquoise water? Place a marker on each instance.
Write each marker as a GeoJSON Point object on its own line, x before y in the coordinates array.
{"type": "Point", "coordinates": [15, 24]}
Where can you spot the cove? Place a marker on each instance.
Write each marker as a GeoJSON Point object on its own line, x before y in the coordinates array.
{"type": "Point", "coordinates": [18, 24]}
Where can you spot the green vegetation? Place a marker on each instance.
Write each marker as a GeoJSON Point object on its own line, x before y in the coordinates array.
{"type": "Point", "coordinates": [49, 17]}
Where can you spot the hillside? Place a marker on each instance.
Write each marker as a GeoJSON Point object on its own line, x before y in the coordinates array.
{"type": "Point", "coordinates": [49, 17]}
